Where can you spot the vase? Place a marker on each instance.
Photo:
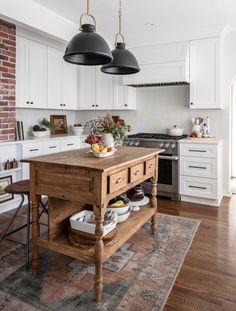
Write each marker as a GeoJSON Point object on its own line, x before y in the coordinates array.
{"type": "Point", "coordinates": [108, 140]}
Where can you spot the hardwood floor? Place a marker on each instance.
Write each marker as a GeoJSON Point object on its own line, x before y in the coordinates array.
{"type": "Point", "coordinates": [207, 279]}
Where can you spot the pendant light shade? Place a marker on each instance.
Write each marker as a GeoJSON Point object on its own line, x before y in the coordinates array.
{"type": "Point", "coordinates": [124, 62]}
{"type": "Point", "coordinates": [87, 47]}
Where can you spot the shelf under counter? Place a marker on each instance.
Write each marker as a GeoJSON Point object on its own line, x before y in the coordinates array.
{"type": "Point", "coordinates": [124, 230]}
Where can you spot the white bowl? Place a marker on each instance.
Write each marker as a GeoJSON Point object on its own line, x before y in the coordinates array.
{"type": "Point", "coordinates": [123, 217]}
{"type": "Point", "coordinates": [41, 133]}
{"type": "Point", "coordinates": [103, 154]}
{"type": "Point", "coordinates": [78, 130]}
{"type": "Point", "coordinates": [119, 210]}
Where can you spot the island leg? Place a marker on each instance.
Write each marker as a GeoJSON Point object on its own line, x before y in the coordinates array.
{"type": "Point", "coordinates": [154, 205]}
{"type": "Point", "coordinates": [35, 220]}
{"type": "Point", "coordinates": [98, 252]}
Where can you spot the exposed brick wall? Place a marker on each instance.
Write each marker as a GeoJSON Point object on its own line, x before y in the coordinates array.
{"type": "Point", "coordinates": [7, 80]}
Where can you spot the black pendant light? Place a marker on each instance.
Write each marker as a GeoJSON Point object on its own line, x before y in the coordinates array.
{"type": "Point", "coordinates": [87, 47]}
{"type": "Point", "coordinates": [124, 62]}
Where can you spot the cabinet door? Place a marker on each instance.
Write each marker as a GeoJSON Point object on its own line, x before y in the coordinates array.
{"type": "Point", "coordinates": [54, 78]}
{"type": "Point", "coordinates": [205, 74]}
{"type": "Point", "coordinates": [124, 96]}
{"type": "Point", "coordinates": [104, 91]}
{"type": "Point", "coordinates": [37, 74]}
{"type": "Point", "coordinates": [86, 88]}
{"type": "Point", "coordinates": [22, 72]}
{"type": "Point", "coordinates": [69, 86]}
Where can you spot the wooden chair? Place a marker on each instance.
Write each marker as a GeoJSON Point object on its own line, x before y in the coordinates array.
{"type": "Point", "coordinates": [22, 188]}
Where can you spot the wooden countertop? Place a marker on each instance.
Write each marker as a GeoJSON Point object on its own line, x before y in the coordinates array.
{"type": "Point", "coordinates": [81, 158]}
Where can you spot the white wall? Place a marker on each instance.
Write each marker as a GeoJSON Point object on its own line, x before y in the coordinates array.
{"type": "Point", "coordinates": [163, 107]}
{"type": "Point", "coordinates": [31, 117]}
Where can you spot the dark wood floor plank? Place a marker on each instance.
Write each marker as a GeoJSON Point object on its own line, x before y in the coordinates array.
{"type": "Point", "coordinates": [207, 279]}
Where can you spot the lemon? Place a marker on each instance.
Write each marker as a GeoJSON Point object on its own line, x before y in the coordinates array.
{"type": "Point", "coordinates": [95, 147]}
{"type": "Point", "coordinates": [103, 150]}
{"type": "Point", "coordinates": [118, 203]}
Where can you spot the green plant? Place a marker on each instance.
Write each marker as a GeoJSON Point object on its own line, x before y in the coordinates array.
{"type": "Point", "coordinates": [47, 124]}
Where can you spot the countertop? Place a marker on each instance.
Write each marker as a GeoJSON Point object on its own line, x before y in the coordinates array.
{"type": "Point", "coordinates": [81, 158]}
{"type": "Point", "coordinates": [32, 138]}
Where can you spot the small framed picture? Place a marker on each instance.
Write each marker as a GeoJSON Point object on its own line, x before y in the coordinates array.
{"type": "Point", "coordinates": [59, 124]}
{"type": "Point", "coordinates": [4, 182]}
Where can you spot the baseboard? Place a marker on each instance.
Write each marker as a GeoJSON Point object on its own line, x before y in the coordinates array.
{"type": "Point", "coordinates": [202, 201]}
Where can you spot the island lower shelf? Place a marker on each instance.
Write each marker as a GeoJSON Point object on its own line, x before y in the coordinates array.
{"type": "Point", "coordinates": [125, 230]}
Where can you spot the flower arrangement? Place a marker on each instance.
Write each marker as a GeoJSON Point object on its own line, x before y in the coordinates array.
{"type": "Point", "coordinates": [106, 124]}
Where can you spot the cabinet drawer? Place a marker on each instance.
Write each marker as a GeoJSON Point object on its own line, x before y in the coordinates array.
{"type": "Point", "coordinates": [192, 166]}
{"type": "Point", "coordinates": [198, 187]}
{"type": "Point", "coordinates": [51, 146]}
{"type": "Point", "coordinates": [150, 167]}
{"type": "Point", "coordinates": [118, 180]}
{"type": "Point", "coordinates": [70, 144]}
{"type": "Point", "coordinates": [198, 150]}
{"type": "Point", "coordinates": [32, 149]}
{"type": "Point", "coordinates": [136, 172]}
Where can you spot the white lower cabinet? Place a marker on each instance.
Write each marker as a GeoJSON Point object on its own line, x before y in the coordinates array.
{"type": "Point", "coordinates": [48, 146]}
{"type": "Point", "coordinates": [200, 168]}
{"type": "Point", "coordinates": [70, 143]}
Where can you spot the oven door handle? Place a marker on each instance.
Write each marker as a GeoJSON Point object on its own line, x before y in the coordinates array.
{"type": "Point", "coordinates": [171, 158]}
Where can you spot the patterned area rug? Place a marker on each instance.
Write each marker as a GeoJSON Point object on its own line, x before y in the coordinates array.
{"type": "Point", "coordinates": [138, 277]}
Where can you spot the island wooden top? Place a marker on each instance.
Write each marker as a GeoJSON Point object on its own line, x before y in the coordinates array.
{"type": "Point", "coordinates": [81, 158]}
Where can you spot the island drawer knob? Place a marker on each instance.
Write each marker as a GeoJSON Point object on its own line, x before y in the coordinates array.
{"type": "Point", "coordinates": [119, 180]}
{"type": "Point", "coordinates": [138, 172]}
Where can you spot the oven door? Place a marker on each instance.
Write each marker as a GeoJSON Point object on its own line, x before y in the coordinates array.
{"type": "Point", "coordinates": [168, 174]}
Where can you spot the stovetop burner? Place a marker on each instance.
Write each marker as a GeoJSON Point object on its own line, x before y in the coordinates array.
{"type": "Point", "coordinates": [156, 136]}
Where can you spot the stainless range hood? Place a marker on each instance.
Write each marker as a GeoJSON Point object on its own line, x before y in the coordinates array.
{"type": "Point", "coordinates": [169, 66]}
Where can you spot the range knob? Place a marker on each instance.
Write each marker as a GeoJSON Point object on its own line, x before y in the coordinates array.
{"type": "Point", "coordinates": [173, 146]}
{"type": "Point", "coordinates": [167, 145]}
{"type": "Point", "coordinates": [161, 145]}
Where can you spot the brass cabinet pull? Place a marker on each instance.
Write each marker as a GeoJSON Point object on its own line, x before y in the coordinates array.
{"type": "Point", "coordinates": [119, 180]}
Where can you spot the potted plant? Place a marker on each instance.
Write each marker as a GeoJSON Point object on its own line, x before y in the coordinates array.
{"type": "Point", "coordinates": [44, 129]}
{"type": "Point", "coordinates": [111, 132]}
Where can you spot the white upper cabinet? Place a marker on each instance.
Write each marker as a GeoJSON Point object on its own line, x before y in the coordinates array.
{"type": "Point", "coordinates": [54, 78]}
{"type": "Point", "coordinates": [22, 72]}
{"type": "Point", "coordinates": [37, 74]}
{"type": "Point", "coordinates": [69, 86]}
{"type": "Point", "coordinates": [43, 78]}
{"type": "Point", "coordinates": [99, 91]}
{"type": "Point", "coordinates": [104, 90]}
{"type": "Point", "coordinates": [124, 96]}
{"type": "Point", "coordinates": [30, 73]}
{"type": "Point", "coordinates": [86, 88]}
{"type": "Point", "coordinates": [205, 74]}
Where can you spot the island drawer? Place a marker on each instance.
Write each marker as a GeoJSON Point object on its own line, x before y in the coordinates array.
{"type": "Point", "coordinates": [136, 172]}
{"type": "Point", "coordinates": [150, 166]}
{"type": "Point", "coordinates": [118, 180]}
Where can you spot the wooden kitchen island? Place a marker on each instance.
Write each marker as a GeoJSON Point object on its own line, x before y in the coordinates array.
{"type": "Point", "coordinates": [74, 179]}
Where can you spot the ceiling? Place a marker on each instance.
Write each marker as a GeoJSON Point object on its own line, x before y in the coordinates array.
{"type": "Point", "coordinates": [174, 20]}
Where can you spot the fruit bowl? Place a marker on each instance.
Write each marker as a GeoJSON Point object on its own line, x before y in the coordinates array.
{"type": "Point", "coordinates": [103, 154]}
{"type": "Point", "coordinates": [78, 130]}
{"type": "Point", "coordinates": [41, 133]}
{"type": "Point", "coordinates": [101, 151]}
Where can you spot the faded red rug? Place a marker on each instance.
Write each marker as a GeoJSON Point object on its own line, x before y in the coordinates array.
{"type": "Point", "coordinates": [138, 277]}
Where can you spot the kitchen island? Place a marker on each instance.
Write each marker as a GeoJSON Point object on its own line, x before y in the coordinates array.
{"type": "Point", "coordinates": [74, 179]}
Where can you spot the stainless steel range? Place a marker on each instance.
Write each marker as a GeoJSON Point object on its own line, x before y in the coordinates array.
{"type": "Point", "coordinates": [168, 184]}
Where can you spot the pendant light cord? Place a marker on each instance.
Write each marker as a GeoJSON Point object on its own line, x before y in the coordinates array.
{"type": "Point", "coordinates": [87, 14]}
{"type": "Point", "coordinates": [120, 20]}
